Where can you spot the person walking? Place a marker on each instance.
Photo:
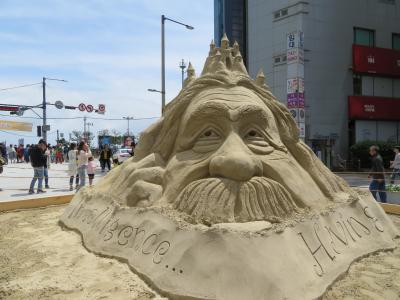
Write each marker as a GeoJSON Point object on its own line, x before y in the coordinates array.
{"type": "Point", "coordinates": [3, 154]}
{"type": "Point", "coordinates": [91, 169]}
{"type": "Point", "coordinates": [46, 168]}
{"type": "Point", "coordinates": [395, 164]}
{"type": "Point", "coordinates": [20, 153]}
{"type": "Point", "coordinates": [59, 154]}
{"type": "Point", "coordinates": [105, 157]}
{"type": "Point", "coordinates": [12, 155]}
{"type": "Point", "coordinates": [26, 153]}
{"type": "Point", "coordinates": [73, 167]}
{"type": "Point", "coordinates": [38, 161]}
{"type": "Point", "coordinates": [83, 155]}
{"type": "Point", "coordinates": [377, 174]}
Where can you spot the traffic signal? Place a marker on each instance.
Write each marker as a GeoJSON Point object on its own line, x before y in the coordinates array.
{"type": "Point", "coordinates": [39, 130]}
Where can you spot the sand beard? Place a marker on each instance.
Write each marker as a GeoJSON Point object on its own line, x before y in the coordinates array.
{"type": "Point", "coordinates": [217, 200]}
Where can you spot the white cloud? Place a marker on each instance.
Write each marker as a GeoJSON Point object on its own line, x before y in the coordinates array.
{"type": "Point", "coordinates": [109, 51]}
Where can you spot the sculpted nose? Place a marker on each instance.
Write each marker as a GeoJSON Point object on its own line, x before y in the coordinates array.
{"type": "Point", "coordinates": [235, 161]}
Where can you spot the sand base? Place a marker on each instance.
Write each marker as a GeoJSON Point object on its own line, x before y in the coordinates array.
{"type": "Point", "coordinates": [38, 260]}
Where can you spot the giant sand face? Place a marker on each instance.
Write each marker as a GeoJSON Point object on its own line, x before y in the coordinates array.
{"type": "Point", "coordinates": [223, 201]}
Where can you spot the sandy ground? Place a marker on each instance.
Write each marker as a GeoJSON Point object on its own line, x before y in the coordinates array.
{"type": "Point", "coordinates": [39, 260]}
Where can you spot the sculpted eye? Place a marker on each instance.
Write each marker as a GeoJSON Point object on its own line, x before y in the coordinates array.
{"type": "Point", "coordinates": [253, 134]}
{"type": "Point", "coordinates": [209, 140]}
{"type": "Point", "coordinates": [257, 142]}
{"type": "Point", "coordinates": [209, 134]}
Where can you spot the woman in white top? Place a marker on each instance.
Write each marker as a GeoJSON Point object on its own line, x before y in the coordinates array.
{"type": "Point", "coordinates": [83, 155]}
{"type": "Point", "coordinates": [395, 164]}
{"type": "Point", "coordinates": [73, 166]}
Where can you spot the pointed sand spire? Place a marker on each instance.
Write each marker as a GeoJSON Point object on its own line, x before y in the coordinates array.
{"type": "Point", "coordinates": [260, 78]}
{"type": "Point", "coordinates": [224, 42]}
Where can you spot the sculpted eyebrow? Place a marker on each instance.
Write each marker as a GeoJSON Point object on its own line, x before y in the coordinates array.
{"type": "Point", "coordinates": [210, 109]}
{"type": "Point", "coordinates": [224, 110]}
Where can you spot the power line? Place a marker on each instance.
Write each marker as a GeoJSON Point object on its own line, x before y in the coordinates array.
{"type": "Point", "coordinates": [92, 118]}
{"type": "Point", "coordinates": [20, 86]}
{"type": "Point", "coordinates": [17, 134]}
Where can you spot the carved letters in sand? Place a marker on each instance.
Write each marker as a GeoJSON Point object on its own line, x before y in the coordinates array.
{"type": "Point", "coordinates": [223, 201]}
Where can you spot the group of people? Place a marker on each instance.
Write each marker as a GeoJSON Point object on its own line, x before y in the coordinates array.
{"type": "Point", "coordinates": [80, 164]}
{"type": "Point", "coordinates": [377, 173]}
{"type": "Point", "coordinates": [18, 154]}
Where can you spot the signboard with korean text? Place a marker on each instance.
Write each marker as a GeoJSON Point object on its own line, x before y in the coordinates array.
{"type": "Point", "coordinates": [15, 126]}
{"type": "Point", "coordinates": [295, 39]}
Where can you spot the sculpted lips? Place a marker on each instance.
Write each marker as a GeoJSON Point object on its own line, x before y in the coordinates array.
{"type": "Point", "coordinates": [217, 200]}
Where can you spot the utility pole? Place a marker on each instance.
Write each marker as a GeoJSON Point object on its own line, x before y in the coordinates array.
{"type": "Point", "coordinates": [44, 125]}
{"type": "Point", "coordinates": [182, 65]}
{"type": "Point", "coordinates": [128, 119]}
{"type": "Point", "coordinates": [84, 128]}
{"type": "Point", "coordinates": [162, 64]}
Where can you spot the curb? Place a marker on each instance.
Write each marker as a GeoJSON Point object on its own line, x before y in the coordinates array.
{"type": "Point", "coordinates": [35, 202]}
{"type": "Point", "coordinates": [391, 208]}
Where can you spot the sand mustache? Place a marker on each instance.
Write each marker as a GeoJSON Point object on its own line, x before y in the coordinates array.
{"type": "Point", "coordinates": [217, 200]}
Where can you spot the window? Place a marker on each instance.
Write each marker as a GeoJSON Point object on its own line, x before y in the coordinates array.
{"type": "Point", "coordinates": [365, 37]}
{"type": "Point", "coordinates": [357, 87]}
{"type": "Point", "coordinates": [396, 41]}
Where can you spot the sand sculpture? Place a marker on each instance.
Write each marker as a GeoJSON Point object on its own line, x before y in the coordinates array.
{"type": "Point", "coordinates": [223, 201]}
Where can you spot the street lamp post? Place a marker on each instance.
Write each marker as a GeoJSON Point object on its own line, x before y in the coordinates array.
{"type": "Point", "coordinates": [182, 65]}
{"type": "Point", "coordinates": [163, 19]}
{"type": "Point", "coordinates": [128, 119]}
{"type": "Point", "coordinates": [44, 104]}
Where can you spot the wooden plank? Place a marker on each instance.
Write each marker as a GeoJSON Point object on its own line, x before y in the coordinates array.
{"type": "Point", "coordinates": [391, 208]}
{"type": "Point", "coordinates": [35, 202]}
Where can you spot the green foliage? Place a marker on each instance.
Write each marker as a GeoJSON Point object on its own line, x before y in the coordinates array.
{"type": "Point", "coordinates": [393, 187]}
{"type": "Point", "coordinates": [360, 151]}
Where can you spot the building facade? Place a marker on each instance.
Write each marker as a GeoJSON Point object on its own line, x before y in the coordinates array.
{"type": "Point", "coordinates": [230, 17]}
{"type": "Point", "coordinates": [336, 64]}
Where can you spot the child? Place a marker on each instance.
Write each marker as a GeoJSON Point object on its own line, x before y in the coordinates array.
{"type": "Point", "coordinates": [90, 169]}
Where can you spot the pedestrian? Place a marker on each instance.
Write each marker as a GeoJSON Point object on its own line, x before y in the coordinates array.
{"type": "Point", "coordinates": [377, 174]}
{"type": "Point", "coordinates": [65, 152]}
{"type": "Point", "coordinates": [83, 155]}
{"type": "Point", "coordinates": [46, 168]}
{"type": "Point", "coordinates": [38, 161]}
{"type": "Point", "coordinates": [90, 169]}
{"type": "Point", "coordinates": [20, 153]}
{"type": "Point", "coordinates": [73, 167]}
{"type": "Point", "coordinates": [395, 164]}
{"type": "Point", "coordinates": [12, 156]}
{"type": "Point", "coordinates": [133, 146]}
{"type": "Point", "coordinates": [26, 153]}
{"type": "Point", "coordinates": [3, 153]}
{"type": "Point", "coordinates": [59, 154]}
{"type": "Point", "coordinates": [105, 157]}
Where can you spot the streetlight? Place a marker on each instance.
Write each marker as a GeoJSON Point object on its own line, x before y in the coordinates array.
{"type": "Point", "coordinates": [44, 127]}
{"type": "Point", "coordinates": [128, 119]}
{"type": "Point", "coordinates": [182, 65]}
{"type": "Point", "coordinates": [163, 18]}
{"type": "Point", "coordinates": [155, 91]}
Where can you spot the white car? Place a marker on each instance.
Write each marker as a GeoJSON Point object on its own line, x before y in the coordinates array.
{"type": "Point", "coordinates": [121, 155]}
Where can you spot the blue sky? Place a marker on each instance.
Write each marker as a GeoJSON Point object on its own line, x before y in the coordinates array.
{"type": "Point", "coordinates": [109, 51]}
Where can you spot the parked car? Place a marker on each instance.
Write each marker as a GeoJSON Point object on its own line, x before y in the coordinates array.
{"type": "Point", "coordinates": [121, 155]}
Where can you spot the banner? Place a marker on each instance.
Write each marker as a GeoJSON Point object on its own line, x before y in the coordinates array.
{"type": "Point", "coordinates": [15, 126]}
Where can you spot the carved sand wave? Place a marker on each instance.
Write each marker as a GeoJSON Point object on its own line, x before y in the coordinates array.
{"type": "Point", "coordinates": [38, 260]}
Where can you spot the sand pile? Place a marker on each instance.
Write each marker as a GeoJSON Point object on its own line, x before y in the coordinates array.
{"type": "Point", "coordinates": [38, 260]}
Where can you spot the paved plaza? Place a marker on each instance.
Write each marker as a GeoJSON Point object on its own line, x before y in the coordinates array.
{"type": "Point", "coordinates": [16, 179]}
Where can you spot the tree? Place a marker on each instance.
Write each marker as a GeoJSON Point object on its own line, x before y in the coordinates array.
{"type": "Point", "coordinates": [76, 136]}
